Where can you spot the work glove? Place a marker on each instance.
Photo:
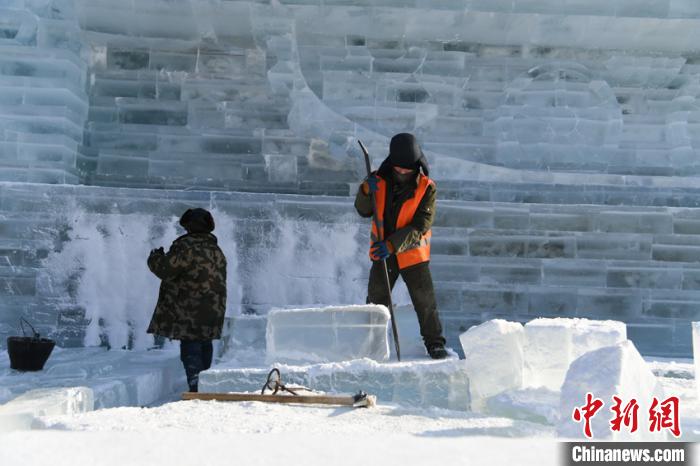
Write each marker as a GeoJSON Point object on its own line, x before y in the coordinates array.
{"type": "Point", "coordinates": [372, 184]}
{"type": "Point", "coordinates": [381, 250]}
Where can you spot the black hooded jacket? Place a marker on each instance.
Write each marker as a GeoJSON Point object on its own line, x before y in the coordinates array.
{"type": "Point", "coordinates": [402, 238]}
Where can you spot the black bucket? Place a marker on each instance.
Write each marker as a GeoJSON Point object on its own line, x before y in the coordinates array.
{"type": "Point", "coordinates": [29, 353]}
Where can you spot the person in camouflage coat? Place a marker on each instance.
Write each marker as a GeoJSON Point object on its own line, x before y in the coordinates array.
{"type": "Point", "coordinates": [192, 297]}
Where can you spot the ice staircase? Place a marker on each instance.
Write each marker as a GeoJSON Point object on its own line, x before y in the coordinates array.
{"type": "Point", "coordinates": [514, 261]}
{"type": "Point", "coordinates": [564, 145]}
{"type": "Point", "coordinates": [43, 103]}
{"type": "Point", "coordinates": [193, 106]}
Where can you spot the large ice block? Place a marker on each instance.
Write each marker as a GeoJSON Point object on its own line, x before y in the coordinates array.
{"type": "Point", "coordinates": [551, 345]}
{"type": "Point", "coordinates": [421, 383]}
{"type": "Point", "coordinates": [21, 412]}
{"type": "Point", "coordinates": [617, 370]}
{"type": "Point", "coordinates": [334, 333]}
{"type": "Point", "coordinates": [115, 378]}
{"type": "Point", "coordinates": [493, 353]}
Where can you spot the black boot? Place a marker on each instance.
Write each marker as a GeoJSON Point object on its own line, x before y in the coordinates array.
{"type": "Point", "coordinates": [437, 351]}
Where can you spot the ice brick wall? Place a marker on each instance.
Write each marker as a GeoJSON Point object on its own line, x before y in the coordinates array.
{"type": "Point", "coordinates": [563, 137]}
{"type": "Point", "coordinates": [74, 260]}
{"type": "Point", "coordinates": [43, 100]}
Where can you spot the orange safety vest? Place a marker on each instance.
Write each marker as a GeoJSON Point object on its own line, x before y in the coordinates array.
{"type": "Point", "coordinates": [419, 252]}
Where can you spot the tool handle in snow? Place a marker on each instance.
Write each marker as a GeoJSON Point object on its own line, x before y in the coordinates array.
{"type": "Point", "coordinates": [394, 330]}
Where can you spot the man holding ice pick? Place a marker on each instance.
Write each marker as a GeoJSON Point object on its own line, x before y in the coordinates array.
{"type": "Point", "coordinates": [405, 200]}
{"type": "Point", "coordinates": [192, 298]}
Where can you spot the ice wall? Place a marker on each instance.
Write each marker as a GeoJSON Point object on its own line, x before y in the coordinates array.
{"type": "Point", "coordinates": [93, 286]}
{"type": "Point", "coordinates": [563, 138]}
{"type": "Point", "coordinates": [43, 99]}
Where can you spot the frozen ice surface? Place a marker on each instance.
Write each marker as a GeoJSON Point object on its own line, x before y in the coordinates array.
{"type": "Point", "coordinates": [528, 404]}
{"type": "Point", "coordinates": [552, 344]}
{"type": "Point", "coordinates": [423, 383]}
{"type": "Point", "coordinates": [21, 411]}
{"type": "Point", "coordinates": [328, 334]}
{"type": "Point", "coordinates": [243, 339]}
{"type": "Point", "coordinates": [588, 335]}
{"type": "Point", "coordinates": [493, 353]}
{"type": "Point", "coordinates": [412, 345]}
{"type": "Point", "coordinates": [115, 378]}
{"type": "Point", "coordinates": [617, 370]}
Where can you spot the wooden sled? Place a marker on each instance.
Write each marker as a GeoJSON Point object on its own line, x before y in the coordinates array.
{"type": "Point", "coordinates": [361, 400]}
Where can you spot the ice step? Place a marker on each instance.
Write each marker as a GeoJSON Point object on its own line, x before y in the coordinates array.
{"type": "Point", "coordinates": [419, 383]}
{"type": "Point", "coordinates": [681, 274]}
{"type": "Point", "coordinates": [116, 378]}
{"type": "Point", "coordinates": [23, 412]}
{"type": "Point", "coordinates": [547, 192]}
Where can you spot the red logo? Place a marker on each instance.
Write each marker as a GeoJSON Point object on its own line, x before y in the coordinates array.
{"type": "Point", "coordinates": [589, 410]}
{"type": "Point", "coordinates": [665, 415]}
{"type": "Point", "coordinates": [662, 415]}
{"type": "Point", "coordinates": [626, 416]}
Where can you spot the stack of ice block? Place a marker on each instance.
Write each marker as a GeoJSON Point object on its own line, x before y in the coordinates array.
{"type": "Point", "coordinates": [504, 357]}
{"type": "Point", "coordinates": [43, 103]}
{"type": "Point", "coordinates": [337, 349]}
{"type": "Point", "coordinates": [617, 370]}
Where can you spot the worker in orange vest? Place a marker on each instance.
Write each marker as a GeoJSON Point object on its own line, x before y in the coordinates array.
{"type": "Point", "coordinates": [405, 199]}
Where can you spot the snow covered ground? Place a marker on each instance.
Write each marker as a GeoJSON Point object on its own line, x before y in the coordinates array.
{"type": "Point", "coordinates": [207, 432]}
{"type": "Point", "coordinates": [251, 433]}
{"type": "Point", "coordinates": [87, 425]}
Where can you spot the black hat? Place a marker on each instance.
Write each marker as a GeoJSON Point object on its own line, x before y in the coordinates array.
{"type": "Point", "coordinates": [405, 152]}
{"type": "Point", "coordinates": [197, 221]}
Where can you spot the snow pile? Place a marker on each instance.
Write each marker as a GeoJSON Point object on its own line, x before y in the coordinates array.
{"type": "Point", "coordinates": [551, 345]}
{"type": "Point", "coordinates": [22, 412]}
{"type": "Point", "coordinates": [336, 333]}
{"type": "Point", "coordinates": [493, 353]}
{"type": "Point", "coordinates": [610, 371]}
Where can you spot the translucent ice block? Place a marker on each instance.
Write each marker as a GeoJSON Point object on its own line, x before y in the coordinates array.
{"type": "Point", "coordinates": [494, 359]}
{"type": "Point", "coordinates": [422, 383]}
{"type": "Point", "coordinates": [21, 412]}
{"type": "Point", "coordinates": [613, 370]}
{"type": "Point", "coordinates": [551, 345]}
{"type": "Point", "coordinates": [336, 333]}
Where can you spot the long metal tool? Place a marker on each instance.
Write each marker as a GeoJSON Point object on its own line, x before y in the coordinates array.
{"type": "Point", "coordinates": [390, 305]}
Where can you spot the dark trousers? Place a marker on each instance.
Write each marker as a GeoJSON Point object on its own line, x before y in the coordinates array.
{"type": "Point", "coordinates": [420, 287]}
{"type": "Point", "coordinates": [196, 356]}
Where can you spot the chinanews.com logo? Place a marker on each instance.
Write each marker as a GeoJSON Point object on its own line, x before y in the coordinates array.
{"type": "Point", "coordinates": [628, 417]}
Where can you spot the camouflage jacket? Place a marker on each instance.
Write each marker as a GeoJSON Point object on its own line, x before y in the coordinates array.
{"type": "Point", "coordinates": [192, 298]}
